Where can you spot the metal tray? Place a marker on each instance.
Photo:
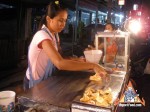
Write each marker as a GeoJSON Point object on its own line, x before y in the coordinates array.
{"type": "Point", "coordinates": [116, 84]}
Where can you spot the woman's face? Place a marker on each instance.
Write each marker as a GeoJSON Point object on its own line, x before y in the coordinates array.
{"type": "Point", "coordinates": [58, 23]}
{"type": "Point", "coordinates": [109, 27]}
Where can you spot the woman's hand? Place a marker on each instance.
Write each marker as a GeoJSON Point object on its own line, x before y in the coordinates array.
{"type": "Point", "coordinates": [100, 70]}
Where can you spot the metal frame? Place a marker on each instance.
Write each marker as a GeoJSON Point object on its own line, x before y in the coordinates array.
{"type": "Point", "coordinates": [113, 35]}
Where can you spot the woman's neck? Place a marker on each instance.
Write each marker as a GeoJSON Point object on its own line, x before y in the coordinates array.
{"type": "Point", "coordinates": [52, 32]}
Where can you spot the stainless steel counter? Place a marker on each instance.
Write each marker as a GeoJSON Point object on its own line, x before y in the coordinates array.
{"type": "Point", "coordinates": [117, 83]}
{"type": "Point", "coordinates": [59, 93]}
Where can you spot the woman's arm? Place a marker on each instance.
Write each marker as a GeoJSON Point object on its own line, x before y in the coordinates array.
{"type": "Point", "coordinates": [64, 64]}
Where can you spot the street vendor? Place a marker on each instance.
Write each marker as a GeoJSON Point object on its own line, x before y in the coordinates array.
{"type": "Point", "coordinates": [43, 54]}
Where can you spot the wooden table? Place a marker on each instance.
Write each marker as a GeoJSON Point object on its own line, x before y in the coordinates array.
{"type": "Point", "coordinates": [57, 92]}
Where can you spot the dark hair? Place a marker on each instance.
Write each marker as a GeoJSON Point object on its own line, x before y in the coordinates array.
{"type": "Point", "coordinates": [52, 11]}
{"type": "Point", "coordinates": [113, 26]}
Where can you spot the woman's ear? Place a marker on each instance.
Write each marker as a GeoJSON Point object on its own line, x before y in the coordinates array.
{"type": "Point", "coordinates": [48, 19]}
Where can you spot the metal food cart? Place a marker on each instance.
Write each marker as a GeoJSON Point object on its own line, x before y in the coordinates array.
{"type": "Point", "coordinates": [118, 78]}
{"type": "Point", "coordinates": [62, 92]}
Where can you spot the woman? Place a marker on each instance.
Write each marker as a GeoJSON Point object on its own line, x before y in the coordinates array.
{"type": "Point", "coordinates": [111, 44]}
{"type": "Point", "coordinates": [111, 48]}
{"type": "Point", "coordinates": [109, 27]}
{"type": "Point", "coordinates": [43, 55]}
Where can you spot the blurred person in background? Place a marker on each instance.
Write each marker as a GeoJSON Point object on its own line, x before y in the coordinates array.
{"type": "Point", "coordinates": [111, 48]}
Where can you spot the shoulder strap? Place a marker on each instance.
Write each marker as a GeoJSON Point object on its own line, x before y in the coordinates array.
{"type": "Point", "coordinates": [50, 35]}
{"type": "Point", "coordinates": [46, 32]}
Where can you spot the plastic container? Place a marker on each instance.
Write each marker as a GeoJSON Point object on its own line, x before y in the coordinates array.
{"type": "Point", "coordinates": [7, 100]}
{"type": "Point", "coordinates": [93, 56]}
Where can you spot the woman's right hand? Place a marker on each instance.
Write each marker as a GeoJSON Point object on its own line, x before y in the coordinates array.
{"type": "Point", "coordinates": [100, 70]}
